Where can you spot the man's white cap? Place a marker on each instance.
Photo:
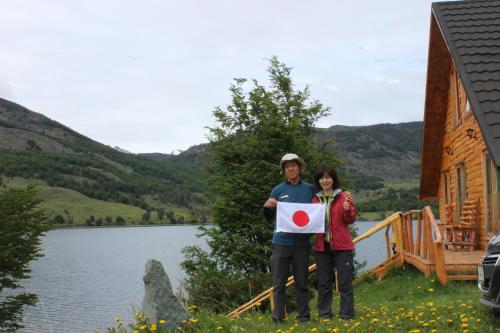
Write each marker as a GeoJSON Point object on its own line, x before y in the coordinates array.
{"type": "Point", "coordinates": [292, 157]}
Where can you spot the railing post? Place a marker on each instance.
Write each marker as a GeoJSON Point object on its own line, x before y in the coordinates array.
{"type": "Point", "coordinates": [409, 230]}
{"type": "Point", "coordinates": [418, 247]}
{"type": "Point", "coordinates": [399, 238]}
{"type": "Point", "coordinates": [388, 240]}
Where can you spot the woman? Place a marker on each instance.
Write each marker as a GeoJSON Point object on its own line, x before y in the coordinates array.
{"type": "Point", "coordinates": [334, 248]}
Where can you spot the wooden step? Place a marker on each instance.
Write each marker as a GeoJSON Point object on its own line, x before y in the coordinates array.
{"type": "Point", "coordinates": [462, 277]}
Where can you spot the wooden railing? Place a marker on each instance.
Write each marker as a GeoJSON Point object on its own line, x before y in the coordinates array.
{"type": "Point", "coordinates": [422, 243]}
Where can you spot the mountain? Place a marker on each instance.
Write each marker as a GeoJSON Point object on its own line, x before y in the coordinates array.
{"type": "Point", "coordinates": [387, 151]}
{"type": "Point", "coordinates": [85, 182]}
{"type": "Point", "coordinates": [33, 146]}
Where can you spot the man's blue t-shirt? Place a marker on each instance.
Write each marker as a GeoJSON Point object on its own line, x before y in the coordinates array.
{"type": "Point", "coordinates": [303, 192]}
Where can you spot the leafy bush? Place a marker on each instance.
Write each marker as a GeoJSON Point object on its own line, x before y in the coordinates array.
{"type": "Point", "coordinates": [21, 225]}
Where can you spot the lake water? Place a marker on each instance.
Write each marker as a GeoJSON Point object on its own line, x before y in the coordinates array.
{"type": "Point", "coordinates": [89, 276]}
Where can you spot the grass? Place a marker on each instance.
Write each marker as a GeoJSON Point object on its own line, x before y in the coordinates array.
{"type": "Point", "coordinates": [72, 203]}
{"type": "Point", "coordinates": [403, 302]}
{"type": "Point", "coordinates": [373, 216]}
{"type": "Point", "coordinates": [404, 186]}
{"type": "Point", "coordinates": [78, 207]}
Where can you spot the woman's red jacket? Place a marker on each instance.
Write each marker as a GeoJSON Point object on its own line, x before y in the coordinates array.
{"type": "Point", "coordinates": [339, 220]}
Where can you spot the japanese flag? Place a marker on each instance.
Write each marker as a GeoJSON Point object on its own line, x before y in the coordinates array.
{"type": "Point", "coordinates": [300, 218]}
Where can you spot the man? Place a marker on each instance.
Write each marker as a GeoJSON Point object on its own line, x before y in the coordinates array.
{"type": "Point", "coordinates": [290, 249]}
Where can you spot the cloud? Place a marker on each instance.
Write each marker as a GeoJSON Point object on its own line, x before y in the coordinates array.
{"type": "Point", "coordinates": [146, 76]}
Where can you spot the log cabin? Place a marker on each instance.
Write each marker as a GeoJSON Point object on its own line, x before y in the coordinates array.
{"type": "Point", "coordinates": [460, 150]}
{"type": "Point", "coordinates": [461, 139]}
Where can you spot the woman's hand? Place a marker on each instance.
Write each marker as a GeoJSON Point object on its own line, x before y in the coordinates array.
{"type": "Point", "coordinates": [347, 205]}
{"type": "Point", "coordinates": [348, 197]}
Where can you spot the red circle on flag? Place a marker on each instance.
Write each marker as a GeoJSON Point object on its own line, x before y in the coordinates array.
{"type": "Point", "coordinates": [300, 218]}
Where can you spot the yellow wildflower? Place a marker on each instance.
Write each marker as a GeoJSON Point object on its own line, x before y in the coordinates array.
{"type": "Point", "coordinates": [153, 327]}
{"type": "Point", "coordinates": [143, 327]}
{"type": "Point", "coordinates": [162, 322]}
{"type": "Point", "coordinates": [430, 290]}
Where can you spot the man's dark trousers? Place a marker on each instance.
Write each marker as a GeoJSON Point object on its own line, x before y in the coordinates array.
{"type": "Point", "coordinates": [281, 258]}
{"type": "Point", "coordinates": [343, 262]}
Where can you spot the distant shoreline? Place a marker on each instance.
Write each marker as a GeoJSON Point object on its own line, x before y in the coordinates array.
{"type": "Point", "coordinates": [128, 226]}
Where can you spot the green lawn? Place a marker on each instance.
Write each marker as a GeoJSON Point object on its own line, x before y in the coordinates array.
{"type": "Point", "coordinates": [403, 302]}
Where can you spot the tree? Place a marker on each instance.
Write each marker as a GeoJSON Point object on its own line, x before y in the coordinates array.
{"type": "Point", "coordinates": [119, 220]}
{"type": "Point", "coordinates": [58, 219]}
{"type": "Point", "coordinates": [251, 135]}
{"type": "Point", "coordinates": [146, 216]}
{"type": "Point", "coordinates": [21, 225]}
{"type": "Point", "coordinates": [160, 213]}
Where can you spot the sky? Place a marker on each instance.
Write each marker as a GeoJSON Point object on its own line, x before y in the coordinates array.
{"type": "Point", "coordinates": [146, 75]}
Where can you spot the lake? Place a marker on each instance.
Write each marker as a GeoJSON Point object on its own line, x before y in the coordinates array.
{"type": "Point", "coordinates": [89, 276]}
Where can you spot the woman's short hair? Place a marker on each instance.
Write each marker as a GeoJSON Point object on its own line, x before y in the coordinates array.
{"type": "Point", "coordinates": [326, 170]}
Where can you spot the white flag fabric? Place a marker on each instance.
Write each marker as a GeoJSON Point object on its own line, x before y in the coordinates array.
{"type": "Point", "coordinates": [300, 218]}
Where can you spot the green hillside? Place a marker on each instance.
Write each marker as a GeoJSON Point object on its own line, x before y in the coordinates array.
{"type": "Point", "coordinates": [83, 181]}
{"type": "Point", "coordinates": [34, 147]}
{"type": "Point", "coordinates": [387, 151]}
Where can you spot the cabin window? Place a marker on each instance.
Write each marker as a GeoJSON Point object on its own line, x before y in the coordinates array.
{"type": "Point", "coordinates": [497, 199]}
{"type": "Point", "coordinates": [489, 195]}
{"type": "Point", "coordinates": [455, 90]}
{"type": "Point", "coordinates": [446, 183]}
{"type": "Point", "coordinates": [492, 198]}
{"type": "Point", "coordinates": [461, 186]}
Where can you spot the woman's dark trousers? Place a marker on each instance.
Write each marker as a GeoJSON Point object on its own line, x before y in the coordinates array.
{"type": "Point", "coordinates": [281, 258]}
{"type": "Point", "coordinates": [343, 262]}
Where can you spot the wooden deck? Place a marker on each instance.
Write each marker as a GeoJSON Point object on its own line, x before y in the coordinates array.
{"type": "Point", "coordinates": [460, 265]}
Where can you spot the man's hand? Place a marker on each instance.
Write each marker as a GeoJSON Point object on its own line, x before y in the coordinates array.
{"type": "Point", "coordinates": [271, 202]}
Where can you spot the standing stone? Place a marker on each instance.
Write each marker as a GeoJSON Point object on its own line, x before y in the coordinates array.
{"type": "Point", "coordinates": [159, 300]}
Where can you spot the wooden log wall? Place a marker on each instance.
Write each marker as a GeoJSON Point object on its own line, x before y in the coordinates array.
{"type": "Point", "coordinates": [462, 149]}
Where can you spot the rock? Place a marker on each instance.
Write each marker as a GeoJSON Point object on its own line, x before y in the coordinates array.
{"type": "Point", "coordinates": [159, 300]}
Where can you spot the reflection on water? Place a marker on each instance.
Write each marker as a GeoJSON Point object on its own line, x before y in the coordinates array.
{"type": "Point", "coordinates": [89, 276]}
